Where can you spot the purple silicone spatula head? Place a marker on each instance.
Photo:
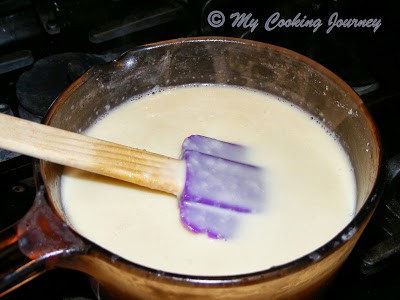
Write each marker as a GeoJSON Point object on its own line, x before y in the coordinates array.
{"type": "Point", "coordinates": [217, 223]}
{"type": "Point", "coordinates": [218, 188]}
{"type": "Point", "coordinates": [215, 147]}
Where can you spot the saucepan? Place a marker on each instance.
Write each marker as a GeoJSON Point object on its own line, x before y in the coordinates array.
{"type": "Point", "coordinates": [42, 240]}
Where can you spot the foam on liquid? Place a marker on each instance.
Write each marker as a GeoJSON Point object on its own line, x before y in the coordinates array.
{"type": "Point", "coordinates": [311, 185]}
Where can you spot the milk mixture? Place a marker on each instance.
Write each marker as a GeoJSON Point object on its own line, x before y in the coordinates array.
{"type": "Point", "coordinates": [310, 183]}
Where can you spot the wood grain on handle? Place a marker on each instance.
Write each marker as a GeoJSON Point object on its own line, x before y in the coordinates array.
{"type": "Point", "coordinates": [90, 154]}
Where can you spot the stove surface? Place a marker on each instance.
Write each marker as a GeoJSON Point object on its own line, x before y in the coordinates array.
{"type": "Point", "coordinates": [46, 45]}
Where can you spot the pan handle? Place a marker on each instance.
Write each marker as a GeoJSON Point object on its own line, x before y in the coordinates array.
{"type": "Point", "coordinates": [34, 245]}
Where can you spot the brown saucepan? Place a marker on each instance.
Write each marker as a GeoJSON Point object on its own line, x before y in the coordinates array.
{"type": "Point", "coordinates": [42, 241]}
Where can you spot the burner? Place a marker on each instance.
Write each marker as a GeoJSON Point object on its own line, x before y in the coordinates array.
{"type": "Point", "coordinates": [40, 86]}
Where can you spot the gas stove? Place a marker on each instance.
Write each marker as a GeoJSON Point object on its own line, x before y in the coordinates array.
{"type": "Point", "coordinates": [46, 45]}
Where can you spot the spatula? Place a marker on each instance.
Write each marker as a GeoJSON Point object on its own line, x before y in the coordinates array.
{"type": "Point", "coordinates": [212, 182]}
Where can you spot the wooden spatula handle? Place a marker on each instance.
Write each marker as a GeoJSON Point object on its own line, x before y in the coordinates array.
{"type": "Point", "coordinates": [97, 156]}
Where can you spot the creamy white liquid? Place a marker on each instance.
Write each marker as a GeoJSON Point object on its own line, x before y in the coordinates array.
{"type": "Point", "coordinates": [310, 183]}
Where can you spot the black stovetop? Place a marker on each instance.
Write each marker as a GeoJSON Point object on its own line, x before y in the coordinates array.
{"type": "Point", "coordinates": [64, 38]}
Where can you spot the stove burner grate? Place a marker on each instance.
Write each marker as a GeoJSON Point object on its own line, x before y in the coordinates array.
{"type": "Point", "coordinates": [386, 226]}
